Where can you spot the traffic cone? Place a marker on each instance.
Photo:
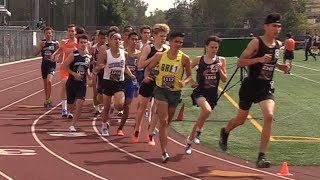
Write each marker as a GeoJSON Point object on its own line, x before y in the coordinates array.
{"type": "Point", "coordinates": [180, 115]}
{"type": "Point", "coordinates": [284, 170]}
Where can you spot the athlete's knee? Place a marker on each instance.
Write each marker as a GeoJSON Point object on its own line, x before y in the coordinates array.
{"type": "Point", "coordinates": [119, 107]}
{"type": "Point", "coordinates": [206, 111]}
{"type": "Point", "coordinates": [268, 118]}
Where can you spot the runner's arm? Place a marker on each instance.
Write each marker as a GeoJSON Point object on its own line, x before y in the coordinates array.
{"type": "Point", "coordinates": [154, 61]}
{"type": "Point", "coordinates": [223, 69]}
{"type": "Point", "coordinates": [142, 62]}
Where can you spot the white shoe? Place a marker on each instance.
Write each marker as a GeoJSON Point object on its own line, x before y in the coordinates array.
{"type": "Point", "coordinates": [196, 140]}
{"type": "Point", "coordinates": [165, 157]}
{"type": "Point", "coordinates": [72, 129]}
{"type": "Point", "coordinates": [104, 131]}
{"type": "Point", "coordinates": [188, 149]}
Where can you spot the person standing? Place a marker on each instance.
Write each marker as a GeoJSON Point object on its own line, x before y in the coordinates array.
{"type": "Point", "coordinates": [77, 65]}
{"type": "Point", "coordinates": [289, 46]}
{"type": "Point", "coordinates": [169, 81]}
{"type": "Point", "coordinates": [47, 47]}
{"type": "Point", "coordinates": [211, 68]}
{"type": "Point", "coordinates": [308, 43]}
{"type": "Point", "coordinates": [260, 56]}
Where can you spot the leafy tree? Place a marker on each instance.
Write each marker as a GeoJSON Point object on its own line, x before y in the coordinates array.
{"type": "Point", "coordinates": [110, 12]}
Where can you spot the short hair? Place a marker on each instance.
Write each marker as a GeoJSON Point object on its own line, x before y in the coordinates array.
{"type": "Point", "coordinates": [82, 36]}
{"type": "Point", "coordinates": [128, 28]}
{"type": "Point", "coordinates": [80, 30]}
{"type": "Point", "coordinates": [71, 26]}
{"type": "Point", "coordinates": [144, 27]}
{"type": "Point", "coordinates": [115, 28]}
{"type": "Point", "coordinates": [173, 35]}
{"type": "Point", "coordinates": [288, 35]}
{"type": "Point", "coordinates": [160, 28]}
{"type": "Point", "coordinates": [272, 18]}
{"type": "Point", "coordinates": [103, 33]}
{"type": "Point", "coordinates": [111, 31]}
{"type": "Point", "coordinates": [133, 34]}
{"type": "Point", "coordinates": [47, 28]}
{"type": "Point", "coordinates": [212, 38]}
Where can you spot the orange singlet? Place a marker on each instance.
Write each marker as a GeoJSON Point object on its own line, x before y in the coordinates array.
{"type": "Point", "coordinates": [290, 44]}
{"type": "Point", "coordinates": [67, 49]}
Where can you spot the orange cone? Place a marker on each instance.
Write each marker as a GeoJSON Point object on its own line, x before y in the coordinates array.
{"type": "Point", "coordinates": [181, 112]}
{"type": "Point", "coordinates": [284, 170]}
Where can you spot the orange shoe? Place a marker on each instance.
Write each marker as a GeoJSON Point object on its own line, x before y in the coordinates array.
{"type": "Point", "coordinates": [120, 132]}
{"type": "Point", "coordinates": [151, 141]}
{"type": "Point", "coordinates": [135, 139]}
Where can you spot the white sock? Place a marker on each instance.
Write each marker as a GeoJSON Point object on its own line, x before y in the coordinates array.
{"type": "Point", "coordinates": [97, 108]}
{"type": "Point", "coordinates": [64, 104]}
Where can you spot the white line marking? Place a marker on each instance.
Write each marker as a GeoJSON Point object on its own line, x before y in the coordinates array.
{"type": "Point", "coordinates": [5, 176]}
{"type": "Point", "coordinates": [24, 67]}
{"type": "Point", "coordinates": [317, 82]}
{"type": "Point", "coordinates": [34, 134]}
{"type": "Point", "coordinates": [26, 82]}
{"type": "Point", "coordinates": [138, 157]}
{"type": "Point", "coordinates": [306, 67]}
{"type": "Point", "coordinates": [12, 118]}
{"type": "Point", "coordinates": [19, 74]}
{"type": "Point", "coordinates": [230, 162]}
{"type": "Point", "coordinates": [21, 61]}
{"type": "Point", "coordinates": [5, 107]}
{"type": "Point", "coordinates": [3, 146]}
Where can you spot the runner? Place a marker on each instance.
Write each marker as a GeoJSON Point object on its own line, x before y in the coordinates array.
{"type": "Point", "coordinates": [211, 68]}
{"type": "Point", "coordinates": [97, 78]}
{"type": "Point", "coordinates": [131, 86]}
{"type": "Point", "coordinates": [47, 47]}
{"type": "Point", "coordinates": [113, 62]}
{"type": "Point", "coordinates": [172, 64]}
{"type": "Point", "coordinates": [160, 32]}
{"type": "Point", "coordinates": [66, 47]}
{"type": "Point", "coordinates": [77, 65]}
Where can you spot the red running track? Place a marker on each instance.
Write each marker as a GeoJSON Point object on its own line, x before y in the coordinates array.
{"type": "Point", "coordinates": [35, 142]}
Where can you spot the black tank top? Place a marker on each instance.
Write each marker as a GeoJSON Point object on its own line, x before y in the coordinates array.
{"type": "Point", "coordinates": [80, 65]}
{"type": "Point", "coordinates": [208, 75]}
{"type": "Point", "coordinates": [48, 49]}
{"type": "Point", "coordinates": [154, 51]}
{"type": "Point", "coordinates": [264, 71]}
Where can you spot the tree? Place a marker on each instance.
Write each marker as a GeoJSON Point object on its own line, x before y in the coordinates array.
{"type": "Point", "coordinates": [110, 13]}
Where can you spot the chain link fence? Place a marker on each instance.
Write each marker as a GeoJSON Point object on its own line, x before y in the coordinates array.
{"type": "Point", "coordinates": [17, 44]}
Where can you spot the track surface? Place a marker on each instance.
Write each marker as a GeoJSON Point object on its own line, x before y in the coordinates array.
{"type": "Point", "coordinates": [35, 142]}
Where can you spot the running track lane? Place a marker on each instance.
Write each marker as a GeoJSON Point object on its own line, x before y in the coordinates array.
{"type": "Point", "coordinates": [92, 156]}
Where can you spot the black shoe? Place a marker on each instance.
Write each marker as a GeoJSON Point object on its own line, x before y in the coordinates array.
{"type": "Point", "coordinates": [223, 142]}
{"type": "Point", "coordinates": [263, 163]}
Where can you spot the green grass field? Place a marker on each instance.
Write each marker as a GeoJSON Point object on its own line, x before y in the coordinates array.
{"type": "Point", "coordinates": [296, 130]}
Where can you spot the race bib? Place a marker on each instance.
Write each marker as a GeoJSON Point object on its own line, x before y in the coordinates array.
{"type": "Point", "coordinates": [266, 72]}
{"type": "Point", "coordinates": [168, 82]}
{"type": "Point", "coordinates": [47, 55]}
{"type": "Point", "coordinates": [210, 80]}
{"type": "Point", "coordinates": [132, 69]}
{"type": "Point", "coordinates": [115, 75]}
{"type": "Point", "coordinates": [81, 70]}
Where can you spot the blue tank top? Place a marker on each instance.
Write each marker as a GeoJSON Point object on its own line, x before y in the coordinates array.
{"type": "Point", "coordinates": [80, 65]}
{"type": "Point", "coordinates": [48, 49]}
{"type": "Point", "coordinates": [208, 76]}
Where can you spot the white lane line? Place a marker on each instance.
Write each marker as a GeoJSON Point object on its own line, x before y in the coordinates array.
{"type": "Point", "coordinates": [5, 176]}
{"type": "Point", "coordinates": [24, 67]}
{"type": "Point", "coordinates": [230, 162]}
{"type": "Point", "coordinates": [21, 61]}
{"type": "Point", "coordinates": [5, 107]}
{"type": "Point", "coordinates": [26, 82]}
{"type": "Point", "coordinates": [3, 146]}
{"type": "Point", "coordinates": [138, 157]}
{"type": "Point", "coordinates": [306, 67]}
{"type": "Point", "coordinates": [317, 82]}
{"type": "Point", "coordinates": [19, 75]}
{"type": "Point", "coordinates": [34, 134]}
